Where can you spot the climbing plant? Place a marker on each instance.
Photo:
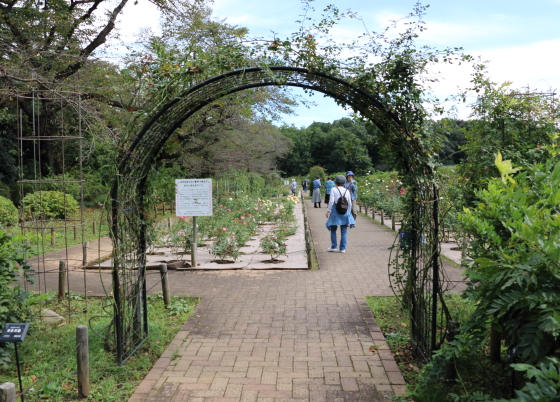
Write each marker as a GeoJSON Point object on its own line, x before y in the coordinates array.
{"type": "Point", "coordinates": [388, 93]}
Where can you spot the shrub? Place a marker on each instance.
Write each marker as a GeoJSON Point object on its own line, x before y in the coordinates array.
{"type": "Point", "coordinates": [13, 299]}
{"type": "Point", "coordinates": [5, 190]}
{"type": "Point", "coordinates": [514, 274]}
{"type": "Point", "coordinates": [49, 205]}
{"type": "Point", "coordinates": [8, 212]}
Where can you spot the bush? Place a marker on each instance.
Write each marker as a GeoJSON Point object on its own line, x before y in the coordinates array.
{"type": "Point", "coordinates": [514, 276]}
{"type": "Point", "coordinates": [8, 212]}
{"type": "Point", "coordinates": [49, 205]}
{"type": "Point", "coordinates": [5, 191]}
{"type": "Point", "coordinates": [13, 299]}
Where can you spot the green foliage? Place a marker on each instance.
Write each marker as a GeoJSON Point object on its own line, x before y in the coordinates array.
{"type": "Point", "coordinates": [5, 191]}
{"type": "Point", "coordinates": [8, 212]}
{"type": "Point", "coordinates": [274, 242]}
{"type": "Point", "coordinates": [515, 272]}
{"type": "Point", "coordinates": [317, 171]}
{"type": "Point", "coordinates": [543, 384]}
{"type": "Point", "coordinates": [339, 146]}
{"type": "Point", "coordinates": [384, 191]}
{"type": "Point", "coordinates": [516, 122]}
{"type": "Point", "coordinates": [49, 205]}
{"type": "Point", "coordinates": [226, 245]}
{"type": "Point", "coordinates": [47, 346]}
{"type": "Point", "coordinates": [13, 299]}
{"type": "Point", "coordinates": [180, 306]}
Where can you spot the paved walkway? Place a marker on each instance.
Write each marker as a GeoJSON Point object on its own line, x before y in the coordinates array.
{"type": "Point", "coordinates": [291, 335]}
{"type": "Point", "coordinates": [284, 335]}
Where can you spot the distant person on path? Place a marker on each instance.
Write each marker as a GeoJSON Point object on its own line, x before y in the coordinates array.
{"type": "Point", "coordinates": [316, 198]}
{"type": "Point", "coordinates": [352, 186]}
{"type": "Point", "coordinates": [304, 184]}
{"type": "Point", "coordinates": [293, 186]}
{"type": "Point", "coordinates": [329, 184]}
{"type": "Point", "coordinates": [335, 219]}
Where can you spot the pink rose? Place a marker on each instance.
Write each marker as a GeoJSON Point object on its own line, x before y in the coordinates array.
{"type": "Point", "coordinates": [224, 229]}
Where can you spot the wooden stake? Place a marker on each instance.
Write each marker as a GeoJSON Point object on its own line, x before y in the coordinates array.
{"type": "Point", "coordinates": [62, 279]}
{"type": "Point", "coordinates": [165, 284]}
{"type": "Point", "coordinates": [83, 360]}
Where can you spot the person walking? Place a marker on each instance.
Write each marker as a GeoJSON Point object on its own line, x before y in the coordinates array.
{"type": "Point", "coordinates": [316, 198]}
{"type": "Point", "coordinates": [293, 186]}
{"type": "Point", "coordinates": [329, 184]}
{"type": "Point", "coordinates": [335, 219]}
{"type": "Point", "coordinates": [304, 184]}
{"type": "Point", "coordinates": [352, 186]}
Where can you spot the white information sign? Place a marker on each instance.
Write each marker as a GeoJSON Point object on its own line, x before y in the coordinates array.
{"type": "Point", "coordinates": [193, 197]}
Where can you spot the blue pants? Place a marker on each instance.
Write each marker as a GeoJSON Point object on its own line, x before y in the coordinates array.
{"type": "Point", "coordinates": [343, 237]}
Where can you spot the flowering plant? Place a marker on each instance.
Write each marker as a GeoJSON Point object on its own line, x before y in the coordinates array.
{"type": "Point", "coordinates": [226, 245]}
{"type": "Point", "coordinates": [273, 243]}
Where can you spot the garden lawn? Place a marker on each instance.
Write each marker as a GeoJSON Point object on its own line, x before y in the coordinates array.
{"type": "Point", "coordinates": [47, 346]}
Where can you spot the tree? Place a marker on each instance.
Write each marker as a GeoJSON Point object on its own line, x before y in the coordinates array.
{"type": "Point", "coordinates": [517, 123]}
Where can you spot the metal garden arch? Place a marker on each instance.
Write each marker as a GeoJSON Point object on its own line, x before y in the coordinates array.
{"type": "Point", "coordinates": [129, 188]}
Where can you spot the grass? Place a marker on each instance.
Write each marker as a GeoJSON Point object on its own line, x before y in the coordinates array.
{"type": "Point", "coordinates": [476, 372]}
{"type": "Point", "coordinates": [46, 346]}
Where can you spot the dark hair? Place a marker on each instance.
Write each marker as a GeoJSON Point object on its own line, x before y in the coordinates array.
{"type": "Point", "coordinates": [330, 178]}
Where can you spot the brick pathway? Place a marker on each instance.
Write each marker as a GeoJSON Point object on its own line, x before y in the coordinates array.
{"type": "Point", "coordinates": [284, 335]}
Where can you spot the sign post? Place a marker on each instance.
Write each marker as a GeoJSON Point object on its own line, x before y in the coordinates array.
{"type": "Point", "coordinates": [193, 197]}
{"type": "Point", "coordinates": [15, 333]}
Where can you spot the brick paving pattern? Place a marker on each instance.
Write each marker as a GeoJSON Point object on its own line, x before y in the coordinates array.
{"type": "Point", "coordinates": [284, 335]}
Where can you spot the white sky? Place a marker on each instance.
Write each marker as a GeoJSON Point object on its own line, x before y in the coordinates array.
{"type": "Point", "coordinates": [521, 39]}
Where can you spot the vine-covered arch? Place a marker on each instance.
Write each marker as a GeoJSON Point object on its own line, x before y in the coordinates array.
{"type": "Point", "coordinates": [129, 191]}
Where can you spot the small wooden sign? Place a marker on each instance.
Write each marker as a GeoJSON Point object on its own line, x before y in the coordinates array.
{"type": "Point", "coordinates": [14, 332]}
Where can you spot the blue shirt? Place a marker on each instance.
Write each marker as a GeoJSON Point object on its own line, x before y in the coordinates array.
{"type": "Point", "coordinates": [353, 187]}
{"type": "Point", "coordinates": [328, 186]}
{"type": "Point", "coordinates": [316, 184]}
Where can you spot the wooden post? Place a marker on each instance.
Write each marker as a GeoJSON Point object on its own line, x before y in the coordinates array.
{"type": "Point", "coordinates": [372, 212]}
{"type": "Point", "coordinates": [360, 206]}
{"type": "Point", "coordinates": [165, 284]}
{"type": "Point", "coordinates": [495, 345]}
{"type": "Point", "coordinates": [94, 228]}
{"type": "Point", "coordinates": [451, 333]}
{"type": "Point", "coordinates": [393, 221]}
{"type": "Point", "coordinates": [83, 360]}
{"type": "Point", "coordinates": [169, 224]}
{"type": "Point", "coordinates": [308, 247]}
{"type": "Point", "coordinates": [194, 243]}
{"type": "Point", "coordinates": [61, 279]}
{"type": "Point", "coordinates": [53, 237]}
{"type": "Point", "coordinates": [155, 210]}
{"type": "Point", "coordinates": [75, 232]}
{"type": "Point", "coordinates": [382, 218]}
{"type": "Point", "coordinates": [85, 253]}
{"type": "Point", "coordinates": [8, 392]}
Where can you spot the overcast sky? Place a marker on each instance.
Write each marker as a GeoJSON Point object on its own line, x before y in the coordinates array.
{"type": "Point", "coordinates": [521, 39]}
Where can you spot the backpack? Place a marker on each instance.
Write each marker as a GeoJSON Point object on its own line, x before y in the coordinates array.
{"type": "Point", "coordinates": [342, 203]}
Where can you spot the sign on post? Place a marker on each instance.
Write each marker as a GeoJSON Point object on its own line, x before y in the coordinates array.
{"type": "Point", "coordinates": [15, 333]}
{"type": "Point", "coordinates": [193, 197]}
